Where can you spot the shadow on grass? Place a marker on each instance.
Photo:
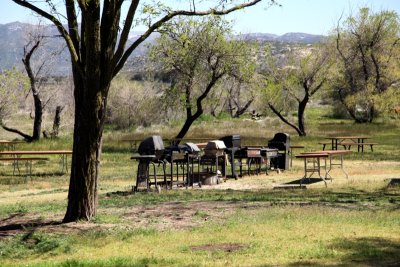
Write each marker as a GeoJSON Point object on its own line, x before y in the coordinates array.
{"type": "Point", "coordinates": [305, 181]}
{"type": "Point", "coordinates": [366, 251]}
{"type": "Point", "coordinates": [10, 227]}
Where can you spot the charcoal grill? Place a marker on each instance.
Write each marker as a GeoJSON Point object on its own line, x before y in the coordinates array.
{"type": "Point", "coordinates": [233, 143]}
{"type": "Point", "coordinates": [182, 160]}
{"type": "Point", "coordinates": [237, 154]}
{"type": "Point", "coordinates": [213, 159]}
{"type": "Point", "coordinates": [252, 155]}
{"type": "Point", "coordinates": [268, 155]}
{"type": "Point", "coordinates": [151, 151]}
{"type": "Point", "coordinates": [281, 141]}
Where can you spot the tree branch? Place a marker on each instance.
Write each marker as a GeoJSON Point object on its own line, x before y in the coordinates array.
{"type": "Point", "coordinates": [277, 113]}
{"type": "Point", "coordinates": [168, 17]}
{"type": "Point", "coordinates": [27, 137]}
{"type": "Point", "coordinates": [57, 23]}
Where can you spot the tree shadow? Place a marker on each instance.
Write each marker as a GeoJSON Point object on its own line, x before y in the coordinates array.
{"type": "Point", "coordinates": [365, 251]}
{"type": "Point", "coordinates": [298, 183]}
{"type": "Point", "coordinates": [10, 227]}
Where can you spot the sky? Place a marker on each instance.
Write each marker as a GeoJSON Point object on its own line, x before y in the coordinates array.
{"type": "Point", "coordinates": [308, 16]}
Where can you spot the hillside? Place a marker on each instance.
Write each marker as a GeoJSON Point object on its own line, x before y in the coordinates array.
{"type": "Point", "coordinates": [14, 37]}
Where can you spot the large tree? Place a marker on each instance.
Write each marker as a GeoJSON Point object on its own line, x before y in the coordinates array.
{"type": "Point", "coordinates": [200, 55]}
{"type": "Point", "coordinates": [97, 38]}
{"type": "Point", "coordinates": [292, 86]}
{"type": "Point", "coordinates": [368, 55]}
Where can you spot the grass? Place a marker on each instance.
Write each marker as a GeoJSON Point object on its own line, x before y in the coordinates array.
{"type": "Point", "coordinates": [245, 222]}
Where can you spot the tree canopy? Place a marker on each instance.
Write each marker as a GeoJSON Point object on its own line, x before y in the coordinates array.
{"type": "Point", "coordinates": [200, 55]}
{"type": "Point", "coordinates": [368, 55]}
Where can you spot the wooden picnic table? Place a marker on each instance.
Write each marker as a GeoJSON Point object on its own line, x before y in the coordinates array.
{"type": "Point", "coordinates": [312, 165]}
{"type": "Point", "coordinates": [10, 144]}
{"type": "Point", "coordinates": [331, 155]}
{"type": "Point", "coordinates": [62, 153]}
{"type": "Point", "coordinates": [358, 140]}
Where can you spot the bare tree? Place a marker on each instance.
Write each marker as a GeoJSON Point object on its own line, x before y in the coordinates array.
{"type": "Point", "coordinates": [240, 98]}
{"type": "Point", "coordinates": [99, 49]}
{"type": "Point", "coordinates": [37, 71]}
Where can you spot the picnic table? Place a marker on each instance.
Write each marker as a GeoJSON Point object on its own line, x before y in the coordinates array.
{"type": "Point", "coordinates": [332, 154]}
{"type": "Point", "coordinates": [312, 165]}
{"type": "Point", "coordinates": [357, 140]}
{"type": "Point", "coordinates": [10, 144]}
{"type": "Point", "coordinates": [17, 156]}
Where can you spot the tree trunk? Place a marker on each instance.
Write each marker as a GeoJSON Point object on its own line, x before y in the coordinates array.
{"type": "Point", "coordinates": [300, 115]}
{"type": "Point", "coordinates": [186, 126]}
{"type": "Point", "coordinates": [57, 121]}
{"type": "Point", "coordinates": [82, 195]}
{"type": "Point", "coordinates": [37, 123]}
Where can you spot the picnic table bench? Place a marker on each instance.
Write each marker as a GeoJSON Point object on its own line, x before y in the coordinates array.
{"type": "Point", "coordinates": [360, 146]}
{"type": "Point", "coordinates": [9, 144]}
{"type": "Point", "coordinates": [347, 142]}
{"type": "Point", "coordinates": [22, 155]}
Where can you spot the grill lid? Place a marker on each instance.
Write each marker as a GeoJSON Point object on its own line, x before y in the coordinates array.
{"type": "Point", "coordinates": [280, 141]}
{"type": "Point", "coordinates": [192, 148]}
{"type": "Point", "coordinates": [151, 145]}
{"type": "Point", "coordinates": [215, 145]}
{"type": "Point", "coordinates": [231, 141]}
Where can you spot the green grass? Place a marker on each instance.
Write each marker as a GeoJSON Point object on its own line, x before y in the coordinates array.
{"type": "Point", "coordinates": [352, 222]}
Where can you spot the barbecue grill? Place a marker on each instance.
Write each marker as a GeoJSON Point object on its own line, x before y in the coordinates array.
{"type": "Point", "coordinates": [269, 154]}
{"type": "Point", "coordinates": [183, 160]}
{"type": "Point", "coordinates": [233, 143]}
{"type": "Point", "coordinates": [214, 157]}
{"type": "Point", "coordinates": [153, 145]}
{"type": "Point", "coordinates": [237, 154]}
{"type": "Point", "coordinates": [193, 161]}
{"type": "Point", "coordinates": [252, 154]}
{"type": "Point", "coordinates": [151, 151]}
{"type": "Point", "coordinates": [281, 141]}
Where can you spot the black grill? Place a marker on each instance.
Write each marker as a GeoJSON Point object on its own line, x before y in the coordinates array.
{"type": "Point", "coordinates": [232, 141]}
{"type": "Point", "coordinates": [153, 145]}
{"type": "Point", "coordinates": [281, 141]}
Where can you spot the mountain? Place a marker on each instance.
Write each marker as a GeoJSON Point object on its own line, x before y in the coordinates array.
{"type": "Point", "coordinates": [13, 37]}
{"type": "Point", "coordinates": [291, 37]}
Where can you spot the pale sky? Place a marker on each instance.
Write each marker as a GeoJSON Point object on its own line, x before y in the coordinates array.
{"type": "Point", "coordinates": [308, 16]}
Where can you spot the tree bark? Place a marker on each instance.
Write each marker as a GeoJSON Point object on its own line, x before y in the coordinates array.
{"type": "Point", "coordinates": [89, 124]}
{"type": "Point", "coordinates": [57, 122]}
{"type": "Point", "coordinates": [300, 115]}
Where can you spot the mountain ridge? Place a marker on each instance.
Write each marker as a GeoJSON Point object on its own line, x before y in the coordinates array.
{"type": "Point", "coordinates": [13, 36]}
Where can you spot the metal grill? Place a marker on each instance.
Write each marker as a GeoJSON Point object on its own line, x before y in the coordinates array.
{"type": "Point", "coordinates": [281, 141]}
